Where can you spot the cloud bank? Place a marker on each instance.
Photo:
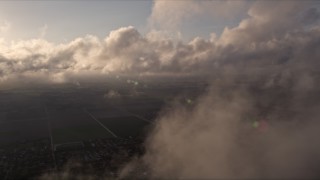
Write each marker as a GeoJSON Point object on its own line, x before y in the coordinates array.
{"type": "Point", "coordinates": [274, 34]}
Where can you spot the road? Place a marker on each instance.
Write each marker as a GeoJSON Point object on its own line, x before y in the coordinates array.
{"type": "Point", "coordinates": [51, 138]}
{"type": "Point", "coordinates": [113, 134]}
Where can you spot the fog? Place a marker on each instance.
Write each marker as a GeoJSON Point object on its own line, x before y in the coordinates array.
{"type": "Point", "coordinates": [259, 118]}
{"type": "Point", "coordinates": [217, 138]}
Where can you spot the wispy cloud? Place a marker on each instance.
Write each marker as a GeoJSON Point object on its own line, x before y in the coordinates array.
{"type": "Point", "coordinates": [43, 31]}
{"type": "Point", "coordinates": [5, 26]}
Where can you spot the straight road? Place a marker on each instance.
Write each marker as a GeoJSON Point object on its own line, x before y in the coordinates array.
{"type": "Point", "coordinates": [132, 114]}
{"type": "Point", "coordinates": [113, 134]}
{"type": "Point", "coordinates": [51, 138]}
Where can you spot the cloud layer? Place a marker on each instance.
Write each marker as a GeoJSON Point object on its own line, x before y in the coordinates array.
{"type": "Point", "coordinates": [275, 34]}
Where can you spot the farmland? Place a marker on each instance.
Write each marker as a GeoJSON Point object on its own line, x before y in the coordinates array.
{"type": "Point", "coordinates": [72, 112]}
{"type": "Point", "coordinates": [102, 124]}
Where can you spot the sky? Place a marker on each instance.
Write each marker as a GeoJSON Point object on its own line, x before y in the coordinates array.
{"type": "Point", "coordinates": [61, 21]}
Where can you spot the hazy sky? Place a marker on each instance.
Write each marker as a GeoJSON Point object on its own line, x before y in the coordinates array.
{"type": "Point", "coordinates": [60, 21]}
{"type": "Point", "coordinates": [59, 39]}
{"type": "Point", "coordinates": [66, 20]}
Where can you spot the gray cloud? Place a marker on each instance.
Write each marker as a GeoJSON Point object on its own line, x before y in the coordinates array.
{"type": "Point", "coordinates": [215, 140]}
{"type": "Point", "coordinates": [265, 70]}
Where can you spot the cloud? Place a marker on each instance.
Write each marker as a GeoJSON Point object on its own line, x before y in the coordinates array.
{"type": "Point", "coordinates": [263, 71]}
{"type": "Point", "coordinates": [266, 20]}
{"type": "Point", "coordinates": [216, 138]}
{"type": "Point", "coordinates": [112, 94]}
{"type": "Point", "coordinates": [311, 16]}
{"type": "Point", "coordinates": [272, 36]}
{"type": "Point", "coordinates": [170, 15]}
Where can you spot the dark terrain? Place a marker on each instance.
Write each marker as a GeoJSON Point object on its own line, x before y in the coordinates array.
{"type": "Point", "coordinates": [88, 128]}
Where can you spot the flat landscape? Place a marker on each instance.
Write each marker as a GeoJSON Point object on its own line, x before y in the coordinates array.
{"type": "Point", "coordinates": [67, 113]}
{"type": "Point", "coordinates": [100, 124]}
{"type": "Point", "coordinates": [126, 126]}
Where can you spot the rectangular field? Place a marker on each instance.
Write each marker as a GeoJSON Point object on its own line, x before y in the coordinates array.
{"type": "Point", "coordinates": [107, 112]}
{"type": "Point", "coordinates": [26, 114]}
{"type": "Point", "coordinates": [19, 131]}
{"type": "Point", "coordinates": [74, 124]}
{"type": "Point", "coordinates": [78, 133]}
{"type": "Point", "coordinates": [125, 127]}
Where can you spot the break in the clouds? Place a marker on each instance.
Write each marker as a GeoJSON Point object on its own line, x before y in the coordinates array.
{"type": "Point", "coordinates": [275, 34]}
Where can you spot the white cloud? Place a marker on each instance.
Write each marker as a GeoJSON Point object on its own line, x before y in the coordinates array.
{"type": "Point", "coordinates": [170, 16]}
{"type": "Point", "coordinates": [274, 39]}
